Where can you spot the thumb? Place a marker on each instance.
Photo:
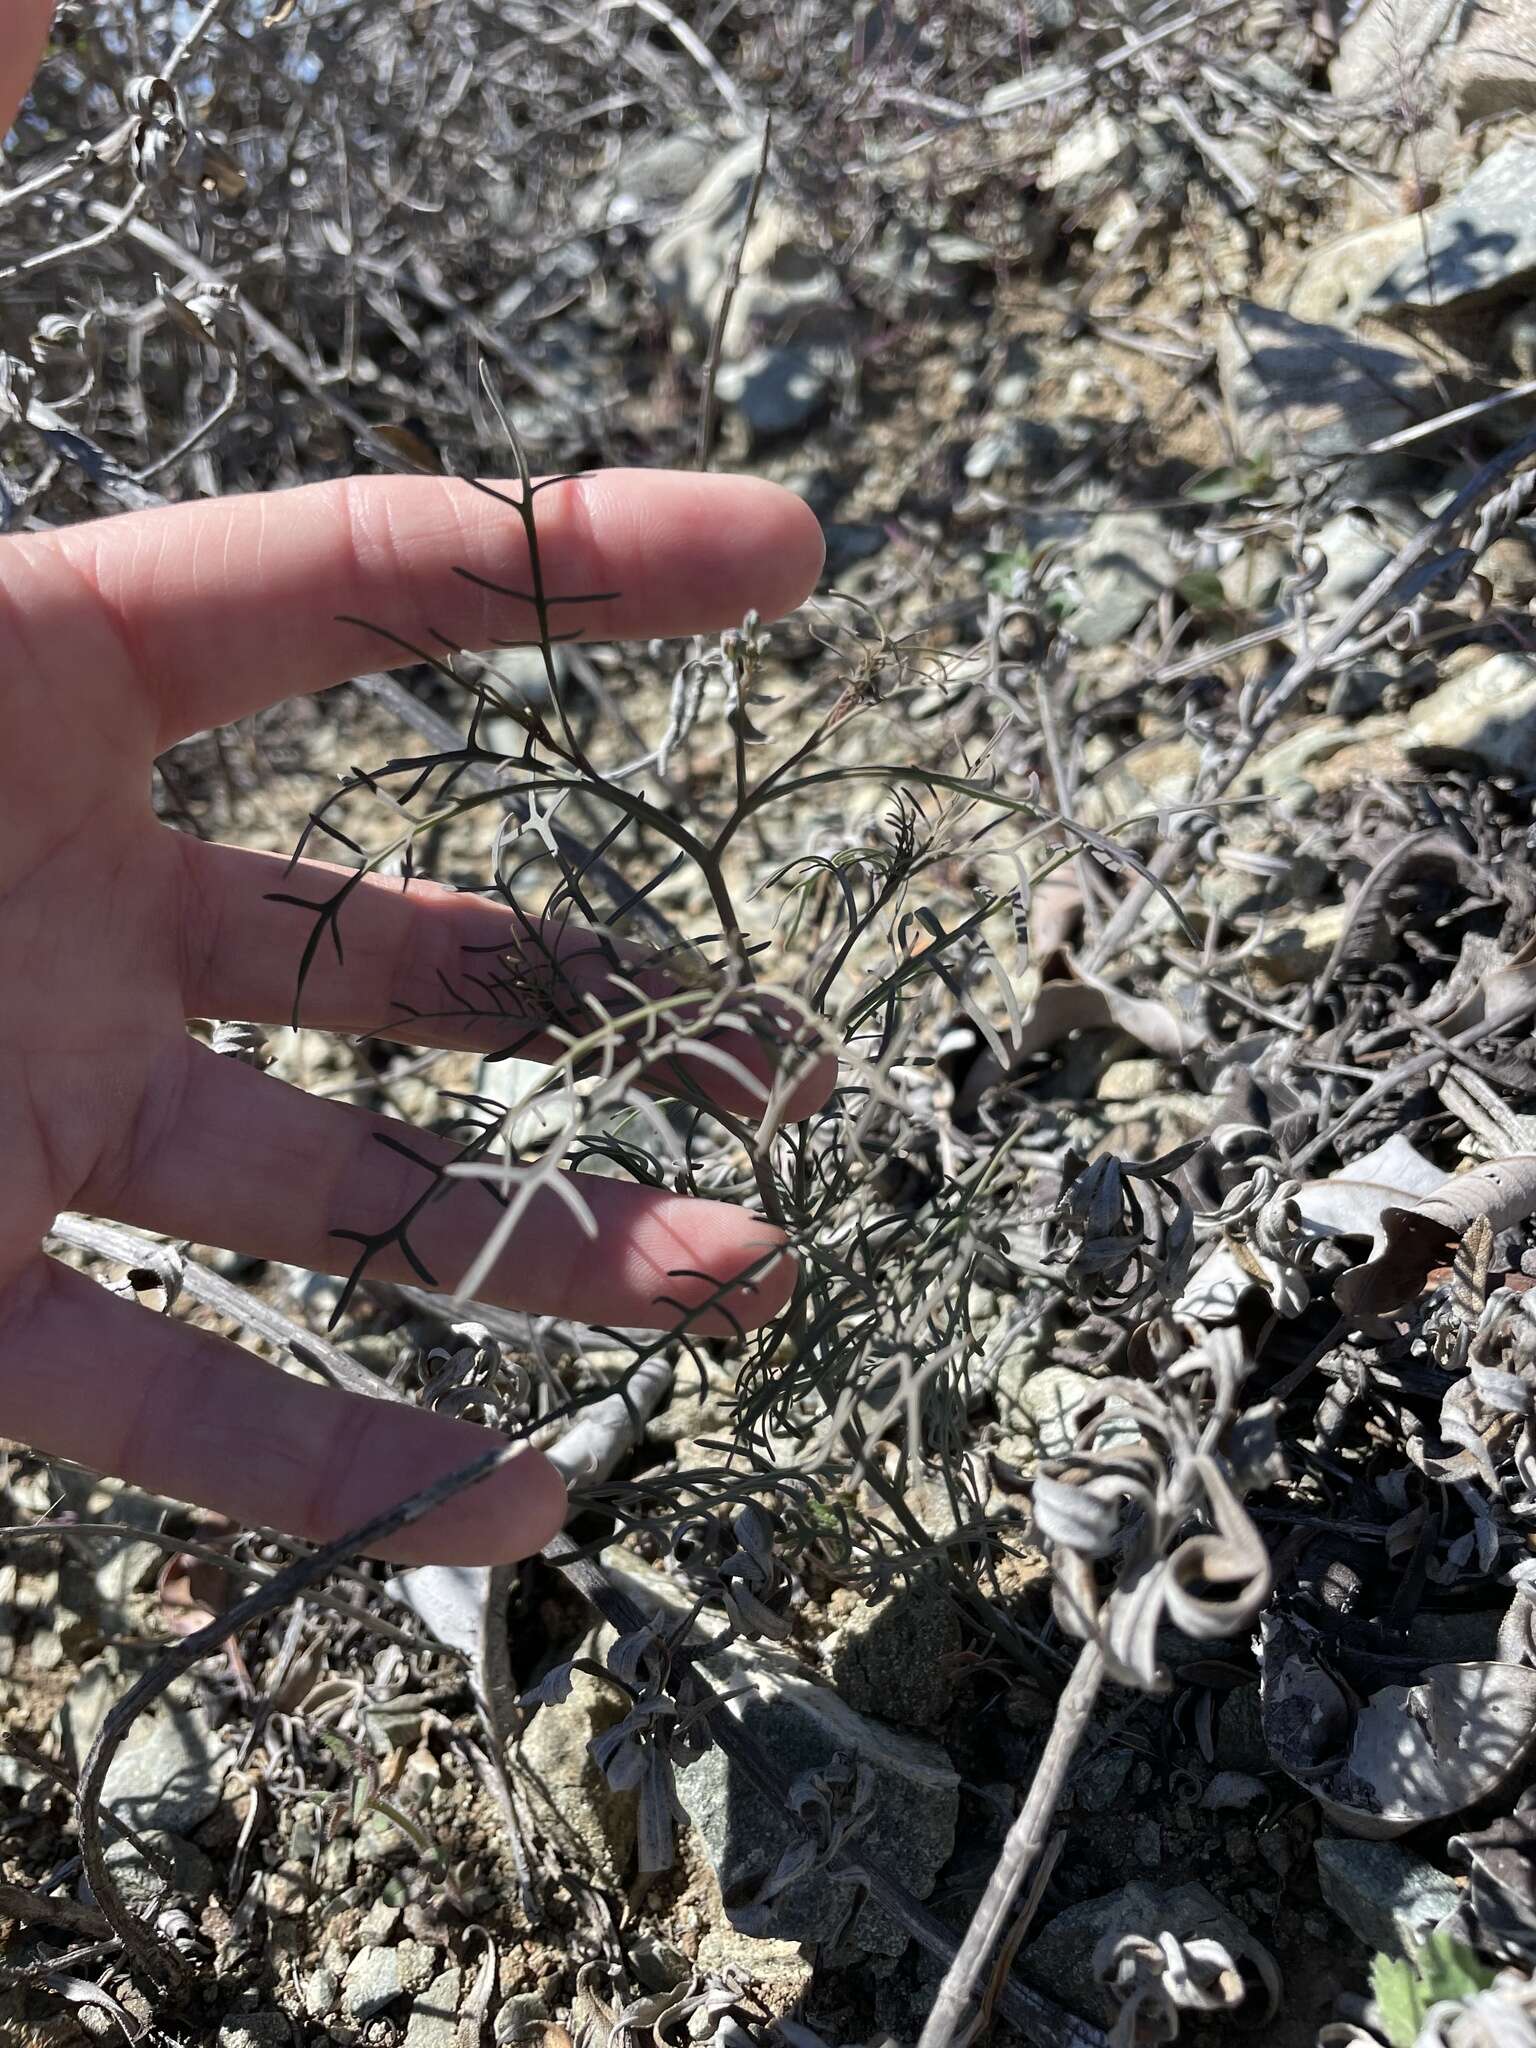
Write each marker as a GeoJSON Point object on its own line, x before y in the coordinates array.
{"type": "Point", "coordinates": [21, 44]}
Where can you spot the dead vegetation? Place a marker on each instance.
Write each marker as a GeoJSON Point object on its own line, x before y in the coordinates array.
{"type": "Point", "coordinates": [1100, 1606]}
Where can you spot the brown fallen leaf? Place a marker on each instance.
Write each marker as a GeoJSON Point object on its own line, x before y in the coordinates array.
{"type": "Point", "coordinates": [1423, 1236]}
{"type": "Point", "coordinates": [1409, 1753]}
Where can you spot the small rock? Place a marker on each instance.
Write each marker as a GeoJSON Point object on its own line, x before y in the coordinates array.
{"type": "Point", "coordinates": [1335, 281]}
{"type": "Point", "coordinates": [1130, 1080]}
{"type": "Point", "coordinates": [1391, 52]}
{"type": "Point", "coordinates": [1041, 1406]}
{"type": "Point", "coordinates": [1031, 449]}
{"type": "Point", "coordinates": [652, 174]}
{"type": "Point", "coordinates": [1093, 160]}
{"type": "Point", "coordinates": [775, 390]}
{"type": "Point", "coordinates": [521, 2018]}
{"type": "Point", "coordinates": [378, 1925]}
{"type": "Point", "coordinates": [1305, 392]}
{"type": "Point", "coordinates": [787, 290]}
{"type": "Point", "coordinates": [1492, 70]}
{"type": "Point", "coordinates": [255, 2030]}
{"type": "Point", "coordinates": [1233, 1789]}
{"type": "Point", "coordinates": [372, 1982]}
{"type": "Point", "coordinates": [1123, 566]}
{"type": "Point", "coordinates": [849, 541]}
{"type": "Point", "coordinates": [322, 1988]}
{"type": "Point", "coordinates": [888, 1658]}
{"type": "Point", "coordinates": [1097, 1781]}
{"type": "Point", "coordinates": [1472, 246]}
{"type": "Point", "coordinates": [568, 1793]}
{"type": "Point", "coordinates": [1059, 1961]}
{"type": "Point", "coordinates": [803, 1726]}
{"type": "Point", "coordinates": [141, 1885]}
{"type": "Point", "coordinates": [1292, 950]}
{"type": "Point", "coordinates": [284, 1895]}
{"type": "Point", "coordinates": [169, 1771]}
{"type": "Point", "coordinates": [1387, 1897]}
{"type": "Point", "coordinates": [1487, 713]}
{"type": "Point", "coordinates": [1510, 567]}
{"type": "Point", "coordinates": [780, 1972]}
{"type": "Point", "coordinates": [415, 1961]}
{"type": "Point", "coordinates": [433, 2020]}
{"type": "Point", "coordinates": [1356, 551]}
{"type": "Point", "coordinates": [1240, 1744]}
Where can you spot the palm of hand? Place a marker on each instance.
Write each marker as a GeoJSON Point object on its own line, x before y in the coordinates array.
{"type": "Point", "coordinates": [114, 640]}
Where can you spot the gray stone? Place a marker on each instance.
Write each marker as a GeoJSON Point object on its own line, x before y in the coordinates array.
{"type": "Point", "coordinates": [378, 1925]}
{"type": "Point", "coordinates": [1387, 1897]}
{"type": "Point", "coordinates": [322, 1988]}
{"type": "Point", "coordinates": [169, 1771]}
{"type": "Point", "coordinates": [524, 2015]}
{"type": "Point", "coordinates": [1492, 70]}
{"type": "Point", "coordinates": [1472, 246]}
{"type": "Point", "coordinates": [372, 1982]}
{"type": "Point", "coordinates": [255, 2030]}
{"type": "Point", "coordinates": [1039, 1405]}
{"type": "Point", "coordinates": [1093, 160]}
{"type": "Point", "coordinates": [1356, 551]}
{"type": "Point", "coordinates": [1336, 280]}
{"type": "Point", "coordinates": [569, 1795]}
{"type": "Point", "coordinates": [1014, 444]}
{"type": "Point", "coordinates": [849, 541]}
{"type": "Point", "coordinates": [775, 390]}
{"type": "Point", "coordinates": [1059, 1961]}
{"type": "Point", "coordinates": [1123, 566]}
{"type": "Point", "coordinates": [802, 1726]}
{"type": "Point", "coordinates": [1445, 61]}
{"type": "Point", "coordinates": [1240, 1733]}
{"type": "Point", "coordinates": [1304, 392]}
{"type": "Point", "coordinates": [787, 290]}
{"type": "Point", "coordinates": [1097, 1781]}
{"type": "Point", "coordinates": [1486, 713]}
{"type": "Point", "coordinates": [140, 1884]}
{"type": "Point", "coordinates": [780, 1972]}
{"type": "Point", "coordinates": [888, 1657]}
{"type": "Point", "coordinates": [433, 2020]}
{"type": "Point", "coordinates": [1233, 1789]}
{"type": "Point", "coordinates": [1392, 56]}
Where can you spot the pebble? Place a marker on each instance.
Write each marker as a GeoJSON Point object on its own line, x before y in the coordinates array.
{"type": "Point", "coordinates": [1123, 565]}
{"type": "Point", "coordinates": [775, 390]}
{"type": "Point", "coordinates": [1480, 242]}
{"type": "Point", "coordinates": [372, 1982]}
{"type": "Point", "coordinates": [1486, 713]}
{"type": "Point", "coordinates": [1304, 392]}
{"type": "Point", "coordinates": [433, 2020]}
{"type": "Point", "coordinates": [803, 1725]}
{"type": "Point", "coordinates": [1386, 1896]}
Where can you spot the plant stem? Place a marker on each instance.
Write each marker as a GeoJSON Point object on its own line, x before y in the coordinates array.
{"type": "Point", "coordinates": [1026, 1839]}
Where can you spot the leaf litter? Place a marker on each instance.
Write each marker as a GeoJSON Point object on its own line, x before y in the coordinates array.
{"type": "Point", "coordinates": [1159, 862]}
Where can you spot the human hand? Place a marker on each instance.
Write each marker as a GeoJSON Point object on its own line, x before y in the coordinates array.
{"type": "Point", "coordinates": [123, 635]}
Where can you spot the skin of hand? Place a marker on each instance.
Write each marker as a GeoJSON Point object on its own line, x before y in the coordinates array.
{"type": "Point", "coordinates": [119, 637]}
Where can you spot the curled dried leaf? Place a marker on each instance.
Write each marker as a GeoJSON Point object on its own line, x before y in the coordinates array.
{"type": "Point", "coordinates": [1503, 1191]}
{"type": "Point", "coordinates": [1406, 1755]}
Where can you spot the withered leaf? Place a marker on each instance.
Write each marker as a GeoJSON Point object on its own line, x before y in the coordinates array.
{"type": "Point", "coordinates": [1425, 1235]}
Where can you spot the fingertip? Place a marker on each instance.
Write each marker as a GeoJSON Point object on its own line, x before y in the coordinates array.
{"type": "Point", "coordinates": [813, 1090]}
{"type": "Point", "coordinates": [498, 1520]}
{"type": "Point", "coordinates": [799, 549]}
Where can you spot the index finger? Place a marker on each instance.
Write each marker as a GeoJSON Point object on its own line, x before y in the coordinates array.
{"type": "Point", "coordinates": [221, 608]}
{"type": "Point", "coordinates": [20, 50]}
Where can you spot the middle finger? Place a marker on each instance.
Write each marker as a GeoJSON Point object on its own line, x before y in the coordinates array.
{"type": "Point", "coordinates": [227, 1156]}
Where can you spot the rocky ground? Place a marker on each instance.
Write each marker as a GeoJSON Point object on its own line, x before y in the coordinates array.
{"type": "Point", "coordinates": [1164, 383]}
